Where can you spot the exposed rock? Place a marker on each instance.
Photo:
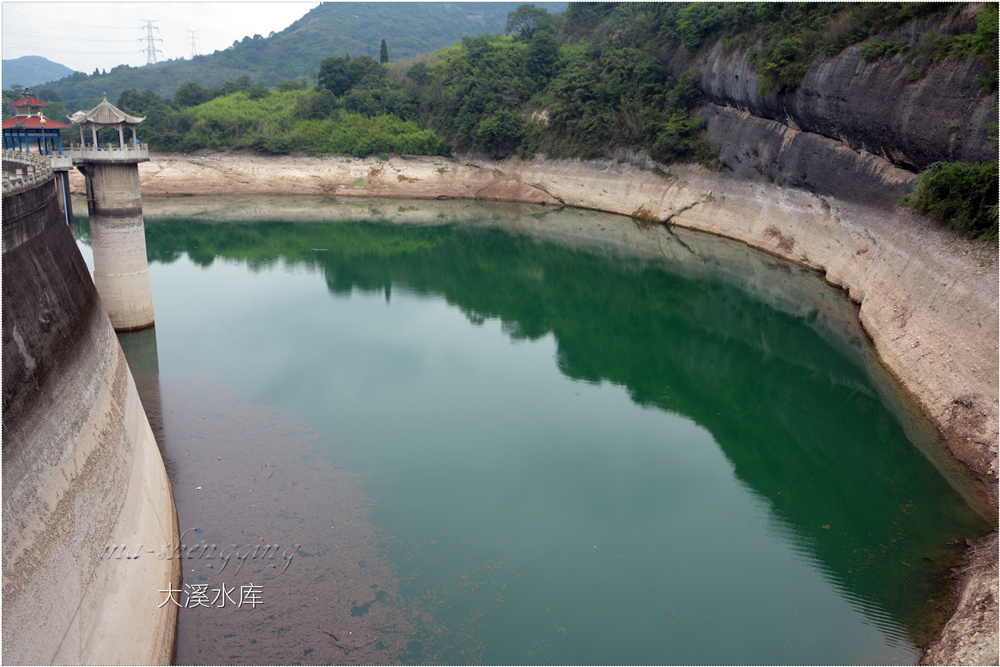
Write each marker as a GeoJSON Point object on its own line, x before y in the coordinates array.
{"type": "Point", "coordinates": [872, 107]}
{"type": "Point", "coordinates": [970, 638]}
{"type": "Point", "coordinates": [772, 153]}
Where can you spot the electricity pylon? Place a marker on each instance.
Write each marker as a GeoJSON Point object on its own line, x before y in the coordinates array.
{"type": "Point", "coordinates": [150, 49]}
{"type": "Point", "coordinates": [194, 42]}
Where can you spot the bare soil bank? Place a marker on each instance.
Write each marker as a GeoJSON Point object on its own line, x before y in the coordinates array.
{"type": "Point", "coordinates": [928, 297]}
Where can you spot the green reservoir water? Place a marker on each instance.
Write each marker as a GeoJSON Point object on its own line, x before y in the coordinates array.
{"type": "Point", "coordinates": [506, 434]}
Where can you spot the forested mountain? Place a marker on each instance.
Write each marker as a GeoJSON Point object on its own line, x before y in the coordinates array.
{"type": "Point", "coordinates": [31, 70]}
{"type": "Point", "coordinates": [594, 79]}
{"type": "Point", "coordinates": [334, 28]}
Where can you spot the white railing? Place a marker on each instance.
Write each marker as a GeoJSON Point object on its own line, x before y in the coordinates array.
{"type": "Point", "coordinates": [108, 153]}
{"type": "Point", "coordinates": [33, 170]}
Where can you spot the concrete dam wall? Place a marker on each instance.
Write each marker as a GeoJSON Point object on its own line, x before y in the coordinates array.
{"type": "Point", "coordinates": [82, 470]}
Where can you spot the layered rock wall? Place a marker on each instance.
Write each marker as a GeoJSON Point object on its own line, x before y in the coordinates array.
{"type": "Point", "coordinates": [874, 107]}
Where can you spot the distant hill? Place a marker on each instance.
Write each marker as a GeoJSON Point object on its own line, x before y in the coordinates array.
{"type": "Point", "coordinates": [330, 29]}
{"type": "Point", "coordinates": [31, 71]}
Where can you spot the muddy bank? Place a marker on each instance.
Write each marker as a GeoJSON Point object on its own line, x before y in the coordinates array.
{"type": "Point", "coordinates": [928, 298]}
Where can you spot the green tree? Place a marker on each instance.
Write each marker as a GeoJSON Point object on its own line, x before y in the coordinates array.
{"type": "Point", "coordinates": [365, 70]}
{"type": "Point", "coordinates": [501, 133]}
{"type": "Point", "coordinates": [335, 76]}
{"type": "Point", "coordinates": [383, 56]}
{"type": "Point", "coordinates": [526, 20]}
{"type": "Point", "coordinates": [258, 91]}
{"type": "Point", "coordinates": [301, 83]}
{"type": "Point", "coordinates": [131, 100]}
{"type": "Point", "coordinates": [542, 54]}
{"type": "Point", "coordinates": [190, 94]}
{"type": "Point", "coordinates": [487, 74]}
{"type": "Point", "coordinates": [320, 104]}
{"type": "Point", "coordinates": [962, 194]}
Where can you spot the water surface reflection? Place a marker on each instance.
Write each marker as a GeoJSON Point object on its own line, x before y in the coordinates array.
{"type": "Point", "coordinates": [712, 475]}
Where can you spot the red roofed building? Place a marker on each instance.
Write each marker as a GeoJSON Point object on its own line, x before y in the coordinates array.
{"type": "Point", "coordinates": [29, 127]}
{"type": "Point", "coordinates": [28, 102]}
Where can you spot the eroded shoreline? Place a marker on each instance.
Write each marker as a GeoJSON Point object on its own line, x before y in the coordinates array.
{"type": "Point", "coordinates": [928, 298]}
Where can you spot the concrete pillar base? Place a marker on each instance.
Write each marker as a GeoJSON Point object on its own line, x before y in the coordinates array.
{"type": "Point", "coordinates": [127, 297]}
{"type": "Point", "coordinates": [118, 238]}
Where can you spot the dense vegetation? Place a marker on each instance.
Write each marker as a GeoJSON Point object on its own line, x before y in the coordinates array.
{"type": "Point", "coordinates": [294, 117]}
{"type": "Point", "coordinates": [333, 28]}
{"type": "Point", "coordinates": [540, 89]}
{"type": "Point", "coordinates": [789, 35]}
{"type": "Point", "coordinates": [276, 124]}
{"type": "Point", "coordinates": [960, 193]}
{"type": "Point", "coordinates": [583, 83]}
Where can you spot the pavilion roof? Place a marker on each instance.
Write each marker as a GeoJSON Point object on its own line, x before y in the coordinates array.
{"type": "Point", "coordinates": [105, 113]}
{"type": "Point", "coordinates": [34, 122]}
{"type": "Point", "coordinates": [28, 101]}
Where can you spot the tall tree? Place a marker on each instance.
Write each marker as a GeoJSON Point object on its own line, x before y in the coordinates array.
{"type": "Point", "coordinates": [335, 76]}
{"type": "Point", "coordinates": [191, 94]}
{"type": "Point", "coordinates": [383, 56]}
{"type": "Point", "coordinates": [526, 20]}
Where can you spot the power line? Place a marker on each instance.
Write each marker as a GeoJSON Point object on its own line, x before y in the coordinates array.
{"type": "Point", "coordinates": [89, 53]}
{"type": "Point", "coordinates": [70, 39]}
{"type": "Point", "coordinates": [74, 25]}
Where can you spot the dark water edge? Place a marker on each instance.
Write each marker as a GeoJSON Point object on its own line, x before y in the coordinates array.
{"type": "Point", "coordinates": [258, 467]}
{"type": "Point", "coordinates": [387, 605]}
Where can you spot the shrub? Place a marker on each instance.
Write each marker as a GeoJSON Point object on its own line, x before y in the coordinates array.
{"type": "Point", "coordinates": [962, 194]}
{"type": "Point", "coordinates": [501, 133]}
{"type": "Point", "coordinates": [882, 48]}
{"type": "Point", "coordinates": [258, 91]}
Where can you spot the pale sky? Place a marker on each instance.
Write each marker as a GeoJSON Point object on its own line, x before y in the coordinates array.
{"type": "Point", "coordinates": [88, 35]}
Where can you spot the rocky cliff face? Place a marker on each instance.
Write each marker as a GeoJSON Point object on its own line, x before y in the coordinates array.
{"type": "Point", "coordinates": [772, 153]}
{"type": "Point", "coordinates": [872, 107]}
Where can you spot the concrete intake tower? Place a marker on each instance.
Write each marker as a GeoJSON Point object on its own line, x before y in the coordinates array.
{"type": "Point", "coordinates": [121, 272]}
